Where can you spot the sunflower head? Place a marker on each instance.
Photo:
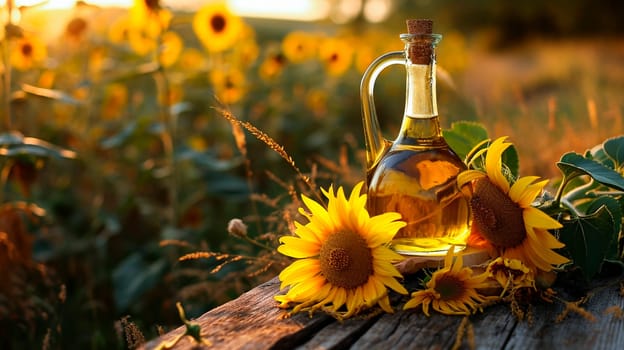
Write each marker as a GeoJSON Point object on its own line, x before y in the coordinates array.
{"type": "Point", "coordinates": [336, 55]}
{"type": "Point", "coordinates": [76, 28]}
{"type": "Point", "coordinates": [495, 215]}
{"type": "Point", "coordinates": [230, 85]}
{"type": "Point", "coordinates": [452, 290]}
{"type": "Point", "coordinates": [27, 52]}
{"type": "Point", "coordinates": [299, 46]}
{"type": "Point", "coordinates": [171, 48]}
{"type": "Point", "coordinates": [272, 66]}
{"type": "Point", "coordinates": [511, 273]}
{"type": "Point", "coordinates": [217, 28]}
{"type": "Point", "coordinates": [343, 260]}
{"type": "Point", "coordinates": [503, 215]}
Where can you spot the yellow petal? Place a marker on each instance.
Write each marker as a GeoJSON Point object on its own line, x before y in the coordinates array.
{"type": "Point", "coordinates": [467, 176]}
{"type": "Point", "coordinates": [319, 213]}
{"type": "Point", "coordinates": [392, 283]}
{"type": "Point", "coordinates": [534, 217]}
{"type": "Point", "coordinates": [298, 248]}
{"type": "Point", "coordinates": [304, 232]}
{"type": "Point", "coordinates": [531, 192]}
{"type": "Point", "coordinates": [298, 271]}
{"type": "Point", "coordinates": [494, 163]}
{"type": "Point", "coordinates": [518, 189]}
{"type": "Point", "coordinates": [385, 268]}
{"type": "Point", "coordinates": [386, 254]}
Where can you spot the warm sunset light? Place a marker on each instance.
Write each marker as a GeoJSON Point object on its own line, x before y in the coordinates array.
{"type": "Point", "coordinates": [307, 10]}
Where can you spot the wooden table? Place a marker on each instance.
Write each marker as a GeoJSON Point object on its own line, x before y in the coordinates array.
{"type": "Point", "coordinates": [253, 321]}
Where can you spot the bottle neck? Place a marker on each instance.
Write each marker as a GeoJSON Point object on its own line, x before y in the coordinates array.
{"type": "Point", "coordinates": [421, 101]}
{"type": "Point", "coordinates": [420, 122]}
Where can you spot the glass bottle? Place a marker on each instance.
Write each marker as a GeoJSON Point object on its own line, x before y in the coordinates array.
{"type": "Point", "coordinates": [415, 174]}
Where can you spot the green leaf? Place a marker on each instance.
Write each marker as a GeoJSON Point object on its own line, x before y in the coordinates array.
{"type": "Point", "coordinates": [587, 239]}
{"type": "Point", "coordinates": [573, 164]}
{"type": "Point", "coordinates": [121, 137]}
{"type": "Point", "coordinates": [614, 207]}
{"type": "Point", "coordinates": [133, 277]}
{"type": "Point", "coordinates": [614, 147]}
{"type": "Point", "coordinates": [463, 136]}
{"type": "Point", "coordinates": [14, 144]}
{"type": "Point", "coordinates": [598, 154]}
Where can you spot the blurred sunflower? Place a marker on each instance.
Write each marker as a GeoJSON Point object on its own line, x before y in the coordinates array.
{"type": "Point", "coordinates": [118, 30]}
{"type": "Point", "coordinates": [511, 273]}
{"type": "Point", "coordinates": [272, 66]}
{"type": "Point", "coordinates": [191, 59]}
{"type": "Point", "coordinates": [316, 101]}
{"type": "Point", "coordinates": [299, 46]}
{"type": "Point", "coordinates": [229, 84]}
{"type": "Point", "coordinates": [452, 290]}
{"type": "Point", "coordinates": [170, 49]}
{"type": "Point", "coordinates": [342, 257]}
{"type": "Point", "coordinates": [217, 28]}
{"type": "Point", "coordinates": [115, 101]}
{"type": "Point", "coordinates": [336, 55]}
{"type": "Point", "coordinates": [27, 52]}
{"type": "Point", "coordinates": [141, 40]}
{"type": "Point", "coordinates": [246, 50]}
{"type": "Point", "coordinates": [504, 218]}
{"type": "Point", "coordinates": [149, 15]}
{"type": "Point", "coordinates": [76, 30]}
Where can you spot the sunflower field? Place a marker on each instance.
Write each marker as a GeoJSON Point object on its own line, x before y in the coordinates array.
{"type": "Point", "coordinates": [152, 155]}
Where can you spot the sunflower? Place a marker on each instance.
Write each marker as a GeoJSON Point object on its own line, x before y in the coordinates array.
{"type": "Point", "coordinates": [170, 49]}
{"type": "Point", "coordinates": [342, 257]}
{"type": "Point", "coordinates": [27, 52]}
{"type": "Point", "coordinates": [511, 273]}
{"type": "Point", "coordinates": [299, 46]}
{"type": "Point", "coordinates": [150, 15]}
{"type": "Point", "coordinates": [216, 27]}
{"type": "Point", "coordinates": [272, 66]}
{"type": "Point", "coordinates": [76, 29]}
{"type": "Point", "coordinates": [142, 40]}
{"type": "Point", "coordinates": [230, 85]}
{"type": "Point", "coordinates": [191, 59]}
{"type": "Point", "coordinates": [504, 217]}
{"type": "Point", "coordinates": [336, 55]}
{"type": "Point", "coordinates": [452, 290]}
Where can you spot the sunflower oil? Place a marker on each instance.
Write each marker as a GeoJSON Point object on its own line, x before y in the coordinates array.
{"type": "Point", "coordinates": [415, 175]}
{"type": "Point", "coordinates": [420, 185]}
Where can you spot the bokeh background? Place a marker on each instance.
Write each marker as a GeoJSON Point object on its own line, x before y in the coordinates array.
{"type": "Point", "coordinates": [134, 131]}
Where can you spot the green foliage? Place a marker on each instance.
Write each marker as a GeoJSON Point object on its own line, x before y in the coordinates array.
{"type": "Point", "coordinates": [589, 238]}
{"type": "Point", "coordinates": [468, 139]}
{"type": "Point", "coordinates": [464, 136]}
{"type": "Point", "coordinates": [591, 211]}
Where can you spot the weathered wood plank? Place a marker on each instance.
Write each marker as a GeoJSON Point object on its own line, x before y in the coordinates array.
{"type": "Point", "coordinates": [575, 332]}
{"type": "Point", "coordinates": [251, 321]}
{"type": "Point", "coordinates": [254, 322]}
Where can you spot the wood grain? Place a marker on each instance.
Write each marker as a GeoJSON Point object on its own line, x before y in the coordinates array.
{"type": "Point", "coordinates": [254, 322]}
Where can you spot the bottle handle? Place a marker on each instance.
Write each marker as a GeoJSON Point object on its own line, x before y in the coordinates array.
{"type": "Point", "coordinates": [373, 137]}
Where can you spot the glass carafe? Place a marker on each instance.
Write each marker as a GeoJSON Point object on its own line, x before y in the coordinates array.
{"type": "Point", "coordinates": [415, 175]}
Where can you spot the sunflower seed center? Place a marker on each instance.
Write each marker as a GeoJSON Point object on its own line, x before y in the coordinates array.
{"type": "Point", "coordinates": [450, 287]}
{"type": "Point", "coordinates": [346, 260]}
{"type": "Point", "coordinates": [217, 23]}
{"type": "Point", "coordinates": [496, 216]}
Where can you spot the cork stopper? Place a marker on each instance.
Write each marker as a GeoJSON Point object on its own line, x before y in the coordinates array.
{"type": "Point", "coordinates": [419, 26]}
{"type": "Point", "coordinates": [420, 50]}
